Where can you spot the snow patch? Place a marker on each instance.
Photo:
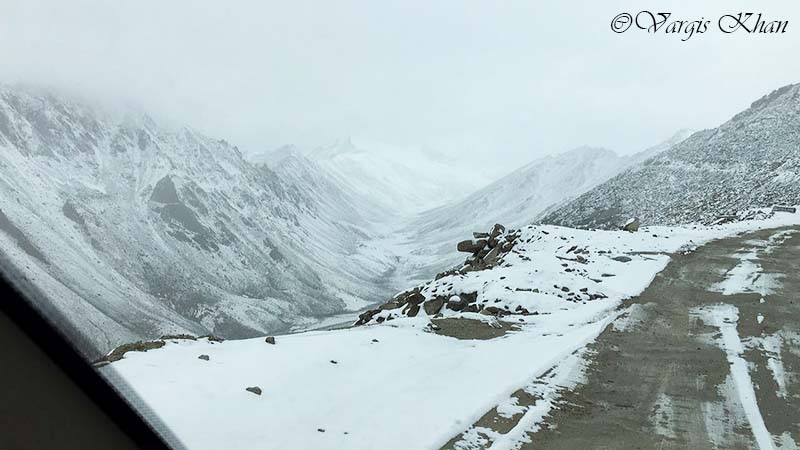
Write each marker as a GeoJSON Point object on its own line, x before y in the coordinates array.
{"type": "Point", "coordinates": [725, 317]}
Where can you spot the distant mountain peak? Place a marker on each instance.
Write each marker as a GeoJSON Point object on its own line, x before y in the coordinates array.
{"type": "Point", "coordinates": [272, 158]}
{"type": "Point", "coordinates": [590, 151]}
{"type": "Point", "coordinates": [341, 147]}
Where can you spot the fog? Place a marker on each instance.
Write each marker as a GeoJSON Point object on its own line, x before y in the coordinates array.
{"type": "Point", "coordinates": [493, 81]}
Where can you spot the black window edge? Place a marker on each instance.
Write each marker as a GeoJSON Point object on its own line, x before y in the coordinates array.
{"type": "Point", "coordinates": [19, 304]}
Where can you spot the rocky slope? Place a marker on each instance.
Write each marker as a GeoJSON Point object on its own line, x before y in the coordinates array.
{"type": "Point", "coordinates": [137, 229]}
{"type": "Point", "coordinates": [751, 161]}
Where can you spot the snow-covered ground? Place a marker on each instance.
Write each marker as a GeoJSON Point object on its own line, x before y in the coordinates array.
{"type": "Point", "coordinates": [398, 385]}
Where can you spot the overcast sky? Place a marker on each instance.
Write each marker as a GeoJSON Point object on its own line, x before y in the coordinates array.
{"type": "Point", "coordinates": [512, 80]}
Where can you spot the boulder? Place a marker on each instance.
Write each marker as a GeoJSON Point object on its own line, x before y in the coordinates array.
{"type": "Point", "coordinates": [492, 256]}
{"type": "Point", "coordinates": [412, 310]}
{"type": "Point", "coordinates": [631, 225]}
{"type": "Point", "coordinates": [456, 303]}
{"type": "Point", "coordinates": [623, 259]}
{"type": "Point", "coordinates": [480, 235]}
{"type": "Point", "coordinates": [390, 305]}
{"type": "Point", "coordinates": [415, 298]}
{"type": "Point", "coordinates": [471, 245]}
{"type": "Point", "coordinates": [492, 311]}
{"type": "Point", "coordinates": [270, 340]}
{"type": "Point", "coordinates": [786, 209]}
{"type": "Point", "coordinates": [432, 307]}
{"type": "Point", "coordinates": [366, 316]}
{"type": "Point", "coordinates": [497, 230]}
{"type": "Point", "coordinates": [204, 357]}
{"type": "Point", "coordinates": [471, 308]}
{"type": "Point", "coordinates": [469, 297]}
{"type": "Point", "coordinates": [724, 219]}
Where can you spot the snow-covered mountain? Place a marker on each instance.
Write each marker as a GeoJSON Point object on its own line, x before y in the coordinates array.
{"type": "Point", "coordinates": [137, 229]}
{"type": "Point", "coordinates": [408, 180]}
{"type": "Point", "coordinates": [751, 161]}
{"type": "Point", "coordinates": [520, 197]}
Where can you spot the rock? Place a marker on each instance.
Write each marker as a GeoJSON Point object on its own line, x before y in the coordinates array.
{"type": "Point", "coordinates": [456, 303]}
{"type": "Point", "coordinates": [412, 311]}
{"type": "Point", "coordinates": [471, 245]}
{"type": "Point", "coordinates": [140, 346]}
{"type": "Point", "coordinates": [334, 361]}
{"type": "Point", "coordinates": [204, 357]}
{"type": "Point", "coordinates": [492, 311]}
{"type": "Point", "coordinates": [415, 298]}
{"type": "Point", "coordinates": [469, 297]}
{"type": "Point", "coordinates": [321, 430]}
{"type": "Point", "coordinates": [433, 306]}
{"type": "Point", "coordinates": [390, 305]}
{"type": "Point", "coordinates": [497, 230]}
{"type": "Point", "coordinates": [471, 308]}
{"type": "Point", "coordinates": [375, 340]}
{"type": "Point", "coordinates": [254, 389]}
{"type": "Point", "coordinates": [479, 235]}
{"type": "Point", "coordinates": [631, 225]}
{"type": "Point", "coordinates": [270, 340]}
{"type": "Point", "coordinates": [786, 209]}
{"type": "Point", "coordinates": [623, 259]}
{"type": "Point", "coordinates": [366, 316]}
{"type": "Point", "coordinates": [178, 337]}
{"type": "Point", "coordinates": [492, 256]}
{"type": "Point", "coordinates": [447, 273]}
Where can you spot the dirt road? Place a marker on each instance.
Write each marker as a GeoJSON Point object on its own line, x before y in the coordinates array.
{"type": "Point", "coordinates": [708, 357]}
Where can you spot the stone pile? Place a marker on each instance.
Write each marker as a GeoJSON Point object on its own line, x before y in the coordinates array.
{"type": "Point", "coordinates": [486, 251]}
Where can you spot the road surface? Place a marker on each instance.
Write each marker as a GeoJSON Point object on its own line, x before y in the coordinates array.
{"type": "Point", "coordinates": [708, 357]}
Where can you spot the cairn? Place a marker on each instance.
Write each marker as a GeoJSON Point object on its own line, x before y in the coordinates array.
{"type": "Point", "coordinates": [486, 251]}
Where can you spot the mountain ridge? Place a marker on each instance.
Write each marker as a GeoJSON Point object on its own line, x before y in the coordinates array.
{"type": "Point", "coordinates": [748, 162]}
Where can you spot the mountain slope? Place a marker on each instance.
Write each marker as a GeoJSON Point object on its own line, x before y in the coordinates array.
{"type": "Point", "coordinates": [407, 180]}
{"type": "Point", "coordinates": [751, 161]}
{"type": "Point", "coordinates": [136, 229]}
{"type": "Point", "coordinates": [518, 198]}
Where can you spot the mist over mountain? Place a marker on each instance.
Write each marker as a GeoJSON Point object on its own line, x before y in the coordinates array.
{"type": "Point", "coordinates": [750, 161]}
{"type": "Point", "coordinates": [410, 179]}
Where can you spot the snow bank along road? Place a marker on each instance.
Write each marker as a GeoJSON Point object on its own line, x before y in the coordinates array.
{"type": "Point", "coordinates": [707, 357]}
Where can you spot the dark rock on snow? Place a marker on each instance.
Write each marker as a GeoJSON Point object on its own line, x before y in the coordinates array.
{"type": "Point", "coordinates": [254, 389]}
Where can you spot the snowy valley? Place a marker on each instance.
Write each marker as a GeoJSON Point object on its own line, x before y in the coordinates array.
{"type": "Point", "coordinates": [336, 304]}
{"type": "Point", "coordinates": [138, 229]}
